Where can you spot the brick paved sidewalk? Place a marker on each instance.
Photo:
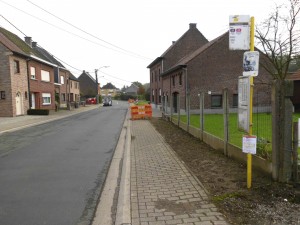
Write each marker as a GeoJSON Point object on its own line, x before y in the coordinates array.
{"type": "Point", "coordinates": [163, 191]}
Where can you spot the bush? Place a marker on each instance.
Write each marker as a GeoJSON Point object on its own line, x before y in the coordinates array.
{"type": "Point", "coordinates": [38, 111]}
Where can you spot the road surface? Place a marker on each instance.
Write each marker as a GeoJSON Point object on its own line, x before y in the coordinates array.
{"type": "Point", "coordinates": [53, 173]}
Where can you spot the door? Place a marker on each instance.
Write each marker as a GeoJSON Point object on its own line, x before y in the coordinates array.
{"type": "Point", "coordinates": [18, 104]}
{"type": "Point", "coordinates": [32, 100]}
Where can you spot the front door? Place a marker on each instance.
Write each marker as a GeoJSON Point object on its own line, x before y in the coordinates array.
{"type": "Point", "coordinates": [18, 104]}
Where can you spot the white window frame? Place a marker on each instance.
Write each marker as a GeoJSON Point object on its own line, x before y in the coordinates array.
{"type": "Point", "coordinates": [46, 98]}
{"type": "Point", "coordinates": [45, 75]}
{"type": "Point", "coordinates": [62, 79]}
{"type": "Point", "coordinates": [32, 73]}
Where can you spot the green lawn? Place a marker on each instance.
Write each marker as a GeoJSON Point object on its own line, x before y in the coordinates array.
{"type": "Point", "coordinates": [262, 128]}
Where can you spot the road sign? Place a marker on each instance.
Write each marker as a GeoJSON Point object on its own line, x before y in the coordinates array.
{"type": "Point", "coordinates": [251, 63]}
{"type": "Point", "coordinates": [239, 32]}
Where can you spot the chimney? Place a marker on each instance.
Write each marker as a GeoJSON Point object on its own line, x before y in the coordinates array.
{"type": "Point", "coordinates": [28, 41]}
{"type": "Point", "coordinates": [193, 25]}
{"type": "Point", "coordinates": [173, 42]}
{"type": "Point", "coordinates": [34, 44]}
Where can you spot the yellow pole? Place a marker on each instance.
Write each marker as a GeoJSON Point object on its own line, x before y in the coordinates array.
{"type": "Point", "coordinates": [249, 156]}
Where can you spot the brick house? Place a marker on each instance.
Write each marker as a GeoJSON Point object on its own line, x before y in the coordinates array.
{"type": "Point", "coordinates": [88, 85]}
{"type": "Point", "coordinates": [209, 69]}
{"type": "Point", "coordinates": [295, 77]}
{"type": "Point", "coordinates": [13, 79]}
{"type": "Point", "coordinates": [191, 40]}
{"type": "Point", "coordinates": [66, 84]}
{"type": "Point", "coordinates": [108, 90]}
{"type": "Point", "coordinates": [40, 77]}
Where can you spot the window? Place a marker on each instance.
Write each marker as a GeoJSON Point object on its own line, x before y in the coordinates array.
{"type": "Point", "coordinates": [63, 97]}
{"type": "Point", "coordinates": [26, 95]}
{"type": "Point", "coordinates": [2, 94]}
{"type": "Point", "coordinates": [62, 79]}
{"type": "Point", "coordinates": [16, 66]}
{"type": "Point", "coordinates": [45, 75]}
{"type": "Point", "coordinates": [152, 77]}
{"type": "Point", "coordinates": [180, 79]}
{"type": "Point", "coordinates": [32, 72]}
{"type": "Point", "coordinates": [216, 101]}
{"type": "Point", "coordinates": [173, 80]}
{"type": "Point", "coordinates": [235, 100]}
{"type": "Point", "coordinates": [46, 98]}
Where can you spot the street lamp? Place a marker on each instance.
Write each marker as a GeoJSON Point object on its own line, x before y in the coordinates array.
{"type": "Point", "coordinates": [97, 85]}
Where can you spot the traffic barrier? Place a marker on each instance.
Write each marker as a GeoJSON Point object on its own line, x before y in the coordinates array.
{"type": "Point", "coordinates": [141, 112]}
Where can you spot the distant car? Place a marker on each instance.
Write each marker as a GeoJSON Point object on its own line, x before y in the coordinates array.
{"type": "Point", "coordinates": [107, 102]}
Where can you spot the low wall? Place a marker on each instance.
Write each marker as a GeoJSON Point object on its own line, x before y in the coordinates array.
{"type": "Point", "coordinates": [232, 150]}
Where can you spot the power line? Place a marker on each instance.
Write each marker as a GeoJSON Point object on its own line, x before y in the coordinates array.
{"type": "Point", "coordinates": [117, 50]}
{"type": "Point", "coordinates": [133, 53]}
{"type": "Point", "coordinates": [57, 57]}
{"type": "Point", "coordinates": [13, 26]}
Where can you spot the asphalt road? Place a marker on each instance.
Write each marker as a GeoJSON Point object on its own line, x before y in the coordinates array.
{"type": "Point", "coordinates": [53, 173]}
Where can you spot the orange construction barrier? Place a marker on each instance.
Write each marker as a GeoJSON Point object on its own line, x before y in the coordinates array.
{"type": "Point", "coordinates": [141, 112]}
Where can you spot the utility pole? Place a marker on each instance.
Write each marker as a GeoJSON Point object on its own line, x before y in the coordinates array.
{"type": "Point", "coordinates": [97, 96]}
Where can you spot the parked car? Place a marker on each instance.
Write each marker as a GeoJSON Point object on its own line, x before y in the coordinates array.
{"type": "Point", "coordinates": [107, 101]}
{"type": "Point", "coordinates": [91, 101]}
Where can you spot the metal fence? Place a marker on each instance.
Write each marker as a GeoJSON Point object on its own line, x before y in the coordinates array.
{"type": "Point", "coordinates": [223, 122]}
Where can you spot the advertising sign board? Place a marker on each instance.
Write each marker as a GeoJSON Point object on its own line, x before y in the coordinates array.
{"type": "Point", "coordinates": [239, 32]}
{"type": "Point", "coordinates": [251, 63]}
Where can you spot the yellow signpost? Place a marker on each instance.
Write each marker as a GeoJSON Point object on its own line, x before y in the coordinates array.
{"type": "Point", "coordinates": [249, 156]}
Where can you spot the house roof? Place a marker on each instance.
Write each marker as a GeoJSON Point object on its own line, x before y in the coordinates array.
{"type": "Point", "coordinates": [132, 89]}
{"type": "Point", "coordinates": [183, 62]}
{"type": "Point", "coordinates": [294, 76]}
{"type": "Point", "coordinates": [87, 74]}
{"type": "Point", "coordinates": [109, 86]}
{"type": "Point", "coordinates": [16, 44]}
{"type": "Point", "coordinates": [175, 43]}
{"type": "Point", "coordinates": [49, 57]}
{"type": "Point", "coordinates": [72, 77]}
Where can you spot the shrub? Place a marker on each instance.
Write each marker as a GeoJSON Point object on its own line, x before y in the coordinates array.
{"type": "Point", "coordinates": [38, 111]}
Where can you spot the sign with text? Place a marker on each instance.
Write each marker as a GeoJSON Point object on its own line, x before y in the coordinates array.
{"type": "Point", "coordinates": [239, 32]}
{"type": "Point", "coordinates": [251, 63]}
{"type": "Point", "coordinates": [249, 144]}
{"type": "Point", "coordinates": [244, 104]}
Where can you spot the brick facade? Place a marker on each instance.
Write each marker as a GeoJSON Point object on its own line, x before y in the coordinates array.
{"type": "Point", "coordinates": [38, 87]}
{"type": "Point", "coordinates": [191, 40]}
{"type": "Point", "coordinates": [210, 70]}
{"type": "Point", "coordinates": [13, 86]}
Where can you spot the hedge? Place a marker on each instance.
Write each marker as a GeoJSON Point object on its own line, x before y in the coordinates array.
{"type": "Point", "coordinates": [38, 111]}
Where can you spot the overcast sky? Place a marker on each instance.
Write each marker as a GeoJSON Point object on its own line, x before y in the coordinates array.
{"type": "Point", "coordinates": [126, 35]}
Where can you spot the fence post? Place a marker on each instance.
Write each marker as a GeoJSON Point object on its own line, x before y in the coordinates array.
{"type": "Point", "coordinates": [226, 119]}
{"type": "Point", "coordinates": [295, 151]}
{"type": "Point", "coordinates": [171, 107]}
{"type": "Point", "coordinates": [188, 113]}
{"type": "Point", "coordinates": [178, 109]}
{"type": "Point", "coordinates": [201, 114]}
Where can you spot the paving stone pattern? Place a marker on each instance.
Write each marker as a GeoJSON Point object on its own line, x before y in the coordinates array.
{"type": "Point", "coordinates": [163, 191]}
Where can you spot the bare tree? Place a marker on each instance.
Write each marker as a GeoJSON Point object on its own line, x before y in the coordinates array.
{"type": "Point", "coordinates": [279, 38]}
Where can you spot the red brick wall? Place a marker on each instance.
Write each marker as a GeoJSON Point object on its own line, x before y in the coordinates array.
{"type": "Point", "coordinates": [38, 86]}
